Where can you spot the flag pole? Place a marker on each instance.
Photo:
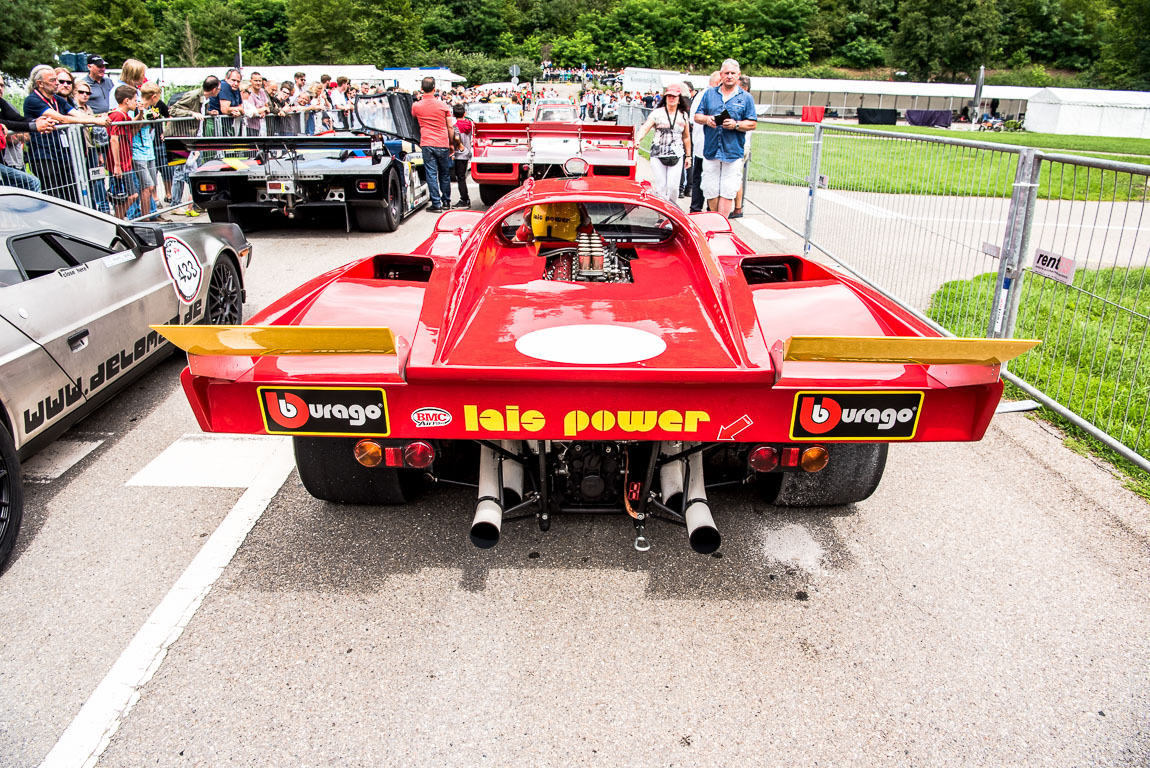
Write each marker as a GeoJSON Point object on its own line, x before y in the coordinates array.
{"type": "Point", "coordinates": [240, 45]}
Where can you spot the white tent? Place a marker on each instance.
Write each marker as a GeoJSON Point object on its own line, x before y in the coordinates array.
{"type": "Point", "coordinates": [1088, 112]}
{"type": "Point", "coordinates": [786, 96]}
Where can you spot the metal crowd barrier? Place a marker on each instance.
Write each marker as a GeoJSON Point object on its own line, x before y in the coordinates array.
{"type": "Point", "coordinates": [73, 162]}
{"type": "Point", "coordinates": [986, 239]}
{"type": "Point", "coordinates": [630, 114]}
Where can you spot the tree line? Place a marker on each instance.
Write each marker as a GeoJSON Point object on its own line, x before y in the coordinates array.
{"type": "Point", "coordinates": [1106, 42]}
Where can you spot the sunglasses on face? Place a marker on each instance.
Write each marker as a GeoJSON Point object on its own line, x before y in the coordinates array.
{"type": "Point", "coordinates": [83, 93]}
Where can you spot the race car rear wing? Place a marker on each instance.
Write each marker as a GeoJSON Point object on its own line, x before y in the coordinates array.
{"type": "Point", "coordinates": [351, 142]}
{"type": "Point", "coordinates": [525, 132]}
{"type": "Point", "coordinates": [261, 340]}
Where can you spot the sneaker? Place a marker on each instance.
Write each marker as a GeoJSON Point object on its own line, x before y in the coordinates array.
{"type": "Point", "coordinates": [735, 215]}
{"type": "Point", "coordinates": [462, 204]}
{"type": "Point", "coordinates": [435, 209]}
{"type": "Point", "coordinates": [191, 212]}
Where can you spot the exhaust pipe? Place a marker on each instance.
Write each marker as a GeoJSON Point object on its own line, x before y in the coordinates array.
{"type": "Point", "coordinates": [701, 530]}
{"type": "Point", "coordinates": [488, 520]}
{"type": "Point", "coordinates": [671, 476]}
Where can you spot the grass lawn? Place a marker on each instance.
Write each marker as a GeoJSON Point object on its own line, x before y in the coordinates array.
{"type": "Point", "coordinates": [1052, 141]}
{"type": "Point", "coordinates": [857, 162]}
{"type": "Point", "coordinates": [1093, 358]}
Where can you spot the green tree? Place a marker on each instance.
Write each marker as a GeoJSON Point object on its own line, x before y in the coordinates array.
{"type": "Point", "coordinates": [387, 32]}
{"type": "Point", "coordinates": [574, 50]}
{"type": "Point", "coordinates": [1125, 56]}
{"type": "Point", "coordinates": [116, 29]}
{"type": "Point", "coordinates": [199, 33]}
{"type": "Point", "coordinates": [939, 39]}
{"type": "Point", "coordinates": [26, 36]}
{"type": "Point", "coordinates": [322, 31]}
{"type": "Point", "coordinates": [264, 30]}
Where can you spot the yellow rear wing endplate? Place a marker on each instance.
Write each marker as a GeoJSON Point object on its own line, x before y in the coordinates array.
{"type": "Point", "coordinates": [261, 340]}
{"type": "Point", "coordinates": [906, 350]}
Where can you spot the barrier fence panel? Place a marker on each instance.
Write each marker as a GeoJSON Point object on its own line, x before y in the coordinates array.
{"type": "Point", "coordinates": [779, 171]}
{"type": "Point", "coordinates": [1085, 291]}
{"type": "Point", "coordinates": [984, 239]}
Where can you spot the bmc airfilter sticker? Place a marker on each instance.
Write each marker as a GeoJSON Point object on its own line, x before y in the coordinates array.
{"type": "Point", "coordinates": [855, 415]}
{"type": "Point", "coordinates": [324, 411]}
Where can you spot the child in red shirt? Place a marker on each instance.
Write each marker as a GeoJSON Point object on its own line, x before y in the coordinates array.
{"type": "Point", "coordinates": [125, 188]}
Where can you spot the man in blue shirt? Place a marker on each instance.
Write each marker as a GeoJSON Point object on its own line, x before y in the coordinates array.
{"type": "Point", "coordinates": [51, 155]}
{"type": "Point", "coordinates": [230, 102]}
{"type": "Point", "coordinates": [723, 141]}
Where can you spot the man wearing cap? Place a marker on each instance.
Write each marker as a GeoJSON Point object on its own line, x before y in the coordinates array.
{"type": "Point", "coordinates": [726, 113]}
{"type": "Point", "coordinates": [100, 85]}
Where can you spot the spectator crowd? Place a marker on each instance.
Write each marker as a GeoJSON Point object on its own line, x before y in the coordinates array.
{"type": "Point", "coordinates": [120, 124]}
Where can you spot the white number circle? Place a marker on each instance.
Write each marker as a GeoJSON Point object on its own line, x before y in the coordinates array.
{"type": "Point", "coordinates": [183, 267]}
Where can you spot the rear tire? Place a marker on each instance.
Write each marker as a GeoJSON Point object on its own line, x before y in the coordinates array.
{"type": "Point", "coordinates": [11, 496]}
{"type": "Point", "coordinates": [329, 471]}
{"type": "Point", "coordinates": [852, 475]}
{"type": "Point", "coordinates": [491, 193]}
{"type": "Point", "coordinates": [393, 210]}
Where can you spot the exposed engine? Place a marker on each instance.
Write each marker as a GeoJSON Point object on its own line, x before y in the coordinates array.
{"type": "Point", "coordinates": [590, 472]}
{"type": "Point", "coordinates": [589, 260]}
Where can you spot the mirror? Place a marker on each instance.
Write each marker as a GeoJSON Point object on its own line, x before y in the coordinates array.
{"type": "Point", "coordinates": [147, 235]}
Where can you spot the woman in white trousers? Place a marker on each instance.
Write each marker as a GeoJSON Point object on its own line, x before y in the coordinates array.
{"type": "Point", "coordinates": [671, 147]}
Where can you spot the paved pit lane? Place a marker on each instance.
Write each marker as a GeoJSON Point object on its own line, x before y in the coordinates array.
{"type": "Point", "coordinates": [989, 606]}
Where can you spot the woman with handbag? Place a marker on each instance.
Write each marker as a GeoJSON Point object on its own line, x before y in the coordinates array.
{"type": "Point", "coordinates": [671, 147]}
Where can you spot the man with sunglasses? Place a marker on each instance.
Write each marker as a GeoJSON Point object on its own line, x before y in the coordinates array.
{"type": "Point", "coordinates": [51, 156]}
{"type": "Point", "coordinates": [101, 86]}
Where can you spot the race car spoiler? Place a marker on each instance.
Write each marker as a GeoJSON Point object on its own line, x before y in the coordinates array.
{"type": "Point", "coordinates": [271, 340]}
{"type": "Point", "coordinates": [264, 143]}
{"type": "Point", "coordinates": [528, 131]}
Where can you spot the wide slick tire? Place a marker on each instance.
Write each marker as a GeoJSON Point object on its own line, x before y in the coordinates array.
{"type": "Point", "coordinates": [328, 470]}
{"type": "Point", "coordinates": [851, 475]}
{"type": "Point", "coordinates": [490, 193]}
{"type": "Point", "coordinates": [11, 496]}
{"type": "Point", "coordinates": [225, 294]}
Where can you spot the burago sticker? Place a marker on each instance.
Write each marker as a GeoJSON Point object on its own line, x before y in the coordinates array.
{"type": "Point", "coordinates": [855, 415]}
{"type": "Point", "coordinates": [431, 417]}
{"type": "Point", "coordinates": [324, 411]}
{"type": "Point", "coordinates": [183, 268]}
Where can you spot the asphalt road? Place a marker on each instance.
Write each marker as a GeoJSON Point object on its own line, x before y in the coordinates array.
{"type": "Point", "coordinates": [989, 606]}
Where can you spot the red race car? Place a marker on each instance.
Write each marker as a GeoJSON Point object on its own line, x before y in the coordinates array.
{"type": "Point", "coordinates": [507, 154]}
{"type": "Point", "coordinates": [584, 346]}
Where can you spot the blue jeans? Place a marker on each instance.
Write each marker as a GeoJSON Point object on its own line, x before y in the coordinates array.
{"type": "Point", "coordinates": [10, 177]}
{"type": "Point", "coordinates": [437, 162]}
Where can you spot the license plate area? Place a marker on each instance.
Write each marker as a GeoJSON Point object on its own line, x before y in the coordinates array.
{"type": "Point", "coordinates": [281, 187]}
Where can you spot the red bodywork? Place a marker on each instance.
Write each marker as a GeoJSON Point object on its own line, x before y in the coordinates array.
{"type": "Point", "coordinates": [502, 151]}
{"type": "Point", "coordinates": [458, 373]}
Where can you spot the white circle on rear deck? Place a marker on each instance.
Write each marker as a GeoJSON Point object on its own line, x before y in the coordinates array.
{"type": "Point", "coordinates": [591, 344]}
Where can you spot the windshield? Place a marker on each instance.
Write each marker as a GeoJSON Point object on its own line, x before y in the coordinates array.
{"type": "Point", "coordinates": [375, 112]}
{"type": "Point", "coordinates": [486, 113]}
{"type": "Point", "coordinates": [550, 114]}
{"type": "Point", "coordinates": [614, 222]}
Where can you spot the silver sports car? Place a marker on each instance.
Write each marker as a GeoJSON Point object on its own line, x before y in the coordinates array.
{"type": "Point", "coordinates": [78, 290]}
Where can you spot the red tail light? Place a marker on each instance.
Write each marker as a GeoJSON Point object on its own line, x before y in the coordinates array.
{"type": "Point", "coordinates": [365, 186]}
{"type": "Point", "coordinates": [207, 186]}
{"type": "Point", "coordinates": [763, 458]}
{"type": "Point", "coordinates": [418, 454]}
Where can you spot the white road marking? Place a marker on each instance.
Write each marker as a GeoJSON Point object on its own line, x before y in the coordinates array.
{"type": "Point", "coordinates": [762, 230]}
{"type": "Point", "coordinates": [89, 734]}
{"type": "Point", "coordinates": [56, 459]}
{"type": "Point", "coordinates": [208, 461]}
